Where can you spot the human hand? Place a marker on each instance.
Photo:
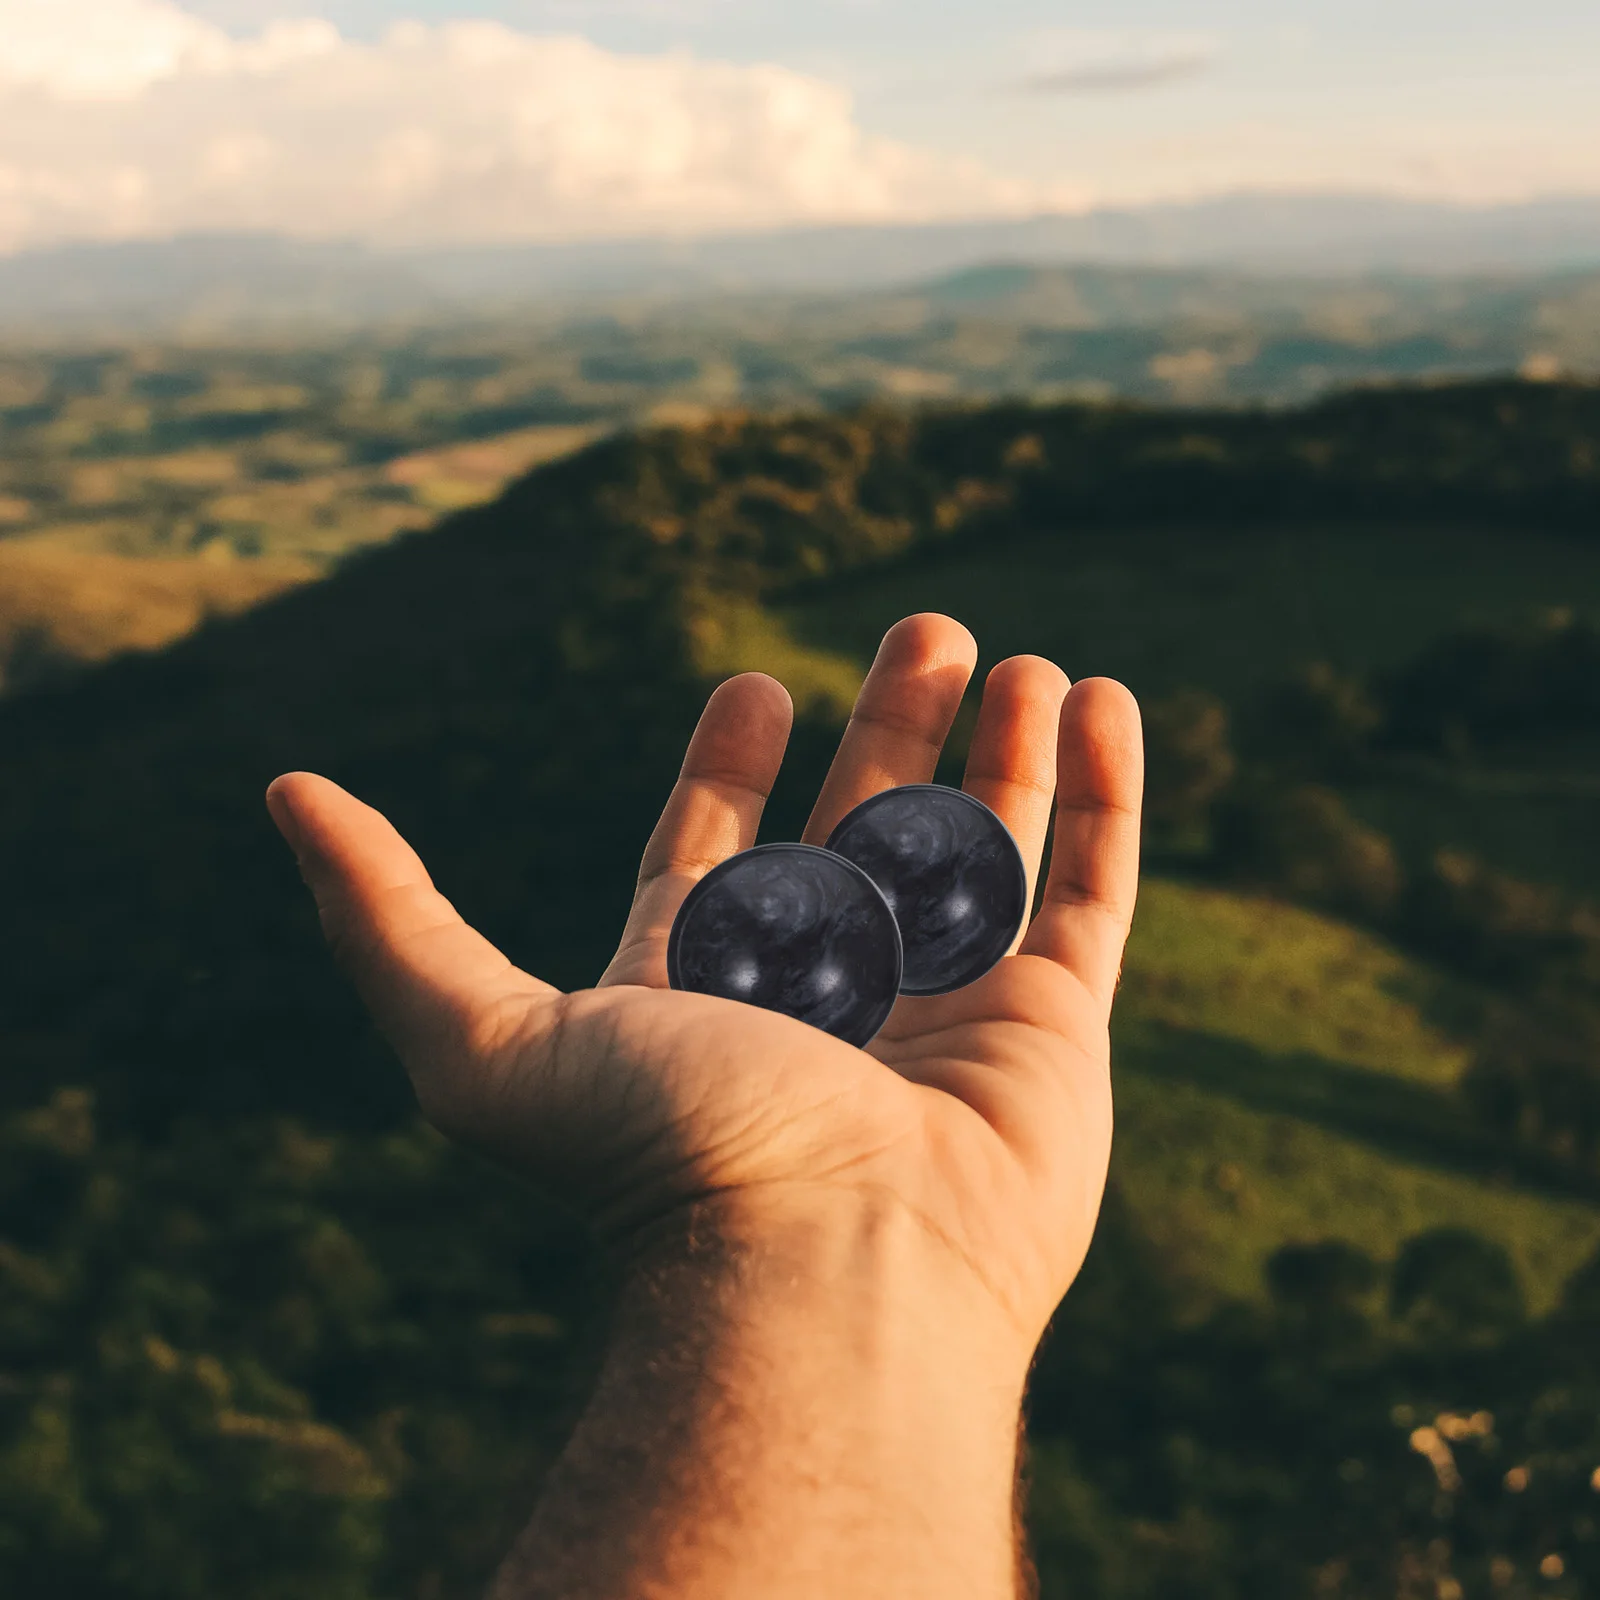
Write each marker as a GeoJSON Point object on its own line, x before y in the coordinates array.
{"type": "Point", "coordinates": [986, 1112]}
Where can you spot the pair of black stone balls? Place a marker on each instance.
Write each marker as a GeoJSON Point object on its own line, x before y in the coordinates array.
{"type": "Point", "coordinates": [919, 891]}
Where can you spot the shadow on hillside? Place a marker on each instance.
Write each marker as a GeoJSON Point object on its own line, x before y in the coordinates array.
{"type": "Point", "coordinates": [1420, 1124]}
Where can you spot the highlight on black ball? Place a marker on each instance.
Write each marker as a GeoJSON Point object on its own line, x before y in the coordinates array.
{"type": "Point", "coordinates": [951, 872]}
{"type": "Point", "coordinates": [795, 929]}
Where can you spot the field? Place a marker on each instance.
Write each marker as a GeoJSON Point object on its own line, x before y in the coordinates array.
{"type": "Point", "coordinates": [300, 445]}
{"type": "Point", "coordinates": [1283, 1079]}
{"type": "Point", "coordinates": [251, 1311]}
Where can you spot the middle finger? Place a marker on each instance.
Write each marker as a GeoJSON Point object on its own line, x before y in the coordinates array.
{"type": "Point", "coordinates": [902, 716]}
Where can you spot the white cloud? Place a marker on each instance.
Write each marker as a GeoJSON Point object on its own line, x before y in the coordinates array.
{"type": "Point", "coordinates": [117, 49]}
{"type": "Point", "coordinates": [124, 118]}
{"type": "Point", "coordinates": [1086, 60]}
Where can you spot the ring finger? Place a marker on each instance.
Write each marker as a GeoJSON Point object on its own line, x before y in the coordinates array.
{"type": "Point", "coordinates": [1012, 763]}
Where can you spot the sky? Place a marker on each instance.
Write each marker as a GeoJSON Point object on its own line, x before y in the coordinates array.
{"type": "Point", "coordinates": [458, 121]}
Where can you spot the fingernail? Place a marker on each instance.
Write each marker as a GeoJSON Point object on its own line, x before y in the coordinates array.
{"type": "Point", "coordinates": [284, 816]}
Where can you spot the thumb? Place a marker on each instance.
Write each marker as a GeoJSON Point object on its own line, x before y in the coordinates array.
{"type": "Point", "coordinates": [441, 994]}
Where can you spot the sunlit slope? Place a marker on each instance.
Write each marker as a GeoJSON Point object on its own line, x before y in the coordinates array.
{"type": "Point", "coordinates": [131, 553]}
{"type": "Point", "coordinates": [288, 495]}
{"type": "Point", "coordinates": [61, 606]}
{"type": "Point", "coordinates": [1280, 1078]}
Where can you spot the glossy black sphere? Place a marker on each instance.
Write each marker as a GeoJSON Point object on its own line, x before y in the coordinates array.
{"type": "Point", "coordinates": [952, 873]}
{"type": "Point", "coordinates": [795, 929]}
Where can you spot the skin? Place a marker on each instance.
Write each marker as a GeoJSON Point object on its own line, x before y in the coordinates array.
{"type": "Point", "coordinates": [839, 1262]}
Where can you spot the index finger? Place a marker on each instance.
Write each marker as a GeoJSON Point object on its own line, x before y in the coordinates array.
{"type": "Point", "coordinates": [1094, 867]}
{"type": "Point", "coordinates": [712, 813]}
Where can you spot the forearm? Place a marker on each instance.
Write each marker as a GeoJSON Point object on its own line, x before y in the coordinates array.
{"type": "Point", "coordinates": [822, 1405]}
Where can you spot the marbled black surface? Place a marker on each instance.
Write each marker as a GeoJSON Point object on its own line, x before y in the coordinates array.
{"type": "Point", "coordinates": [952, 873]}
{"type": "Point", "coordinates": [795, 929]}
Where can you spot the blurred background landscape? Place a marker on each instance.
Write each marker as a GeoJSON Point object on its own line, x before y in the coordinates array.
{"type": "Point", "coordinates": [446, 399]}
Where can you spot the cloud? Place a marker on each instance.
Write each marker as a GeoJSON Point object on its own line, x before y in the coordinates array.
{"type": "Point", "coordinates": [1092, 60]}
{"type": "Point", "coordinates": [135, 118]}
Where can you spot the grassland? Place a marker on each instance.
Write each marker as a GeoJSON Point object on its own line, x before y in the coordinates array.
{"type": "Point", "coordinates": [283, 501]}
{"type": "Point", "coordinates": [1280, 1080]}
{"type": "Point", "coordinates": [61, 606]}
{"type": "Point", "coordinates": [111, 543]}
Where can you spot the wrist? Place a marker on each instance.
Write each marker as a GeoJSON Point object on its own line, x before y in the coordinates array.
{"type": "Point", "coordinates": [863, 1263]}
{"type": "Point", "coordinates": [809, 1394]}
{"type": "Point", "coordinates": [859, 1394]}
{"type": "Point", "coordinates": [860, 1367]}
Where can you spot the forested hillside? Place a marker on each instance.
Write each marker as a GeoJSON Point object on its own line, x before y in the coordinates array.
{"type": "Point", "coordinates": [263, 1335]}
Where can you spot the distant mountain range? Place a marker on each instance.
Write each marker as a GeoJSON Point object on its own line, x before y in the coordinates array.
{"type": "Point", "coordinates": [233, 281]}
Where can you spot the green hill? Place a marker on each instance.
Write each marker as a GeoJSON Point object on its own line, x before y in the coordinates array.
{"type": "Point", "coordinates": [262, 1335]}
{"type": "Point", "coordinates": [1284, 1078]}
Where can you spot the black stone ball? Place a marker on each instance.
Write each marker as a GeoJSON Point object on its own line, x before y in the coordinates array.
{"type": "Point", "coordinates": [795, 929]}
{"type": "Point", "coordinates": [952, 873]}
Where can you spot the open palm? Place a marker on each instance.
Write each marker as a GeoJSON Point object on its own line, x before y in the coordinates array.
{"type": "Point", "coordinates": [986, 1112]}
